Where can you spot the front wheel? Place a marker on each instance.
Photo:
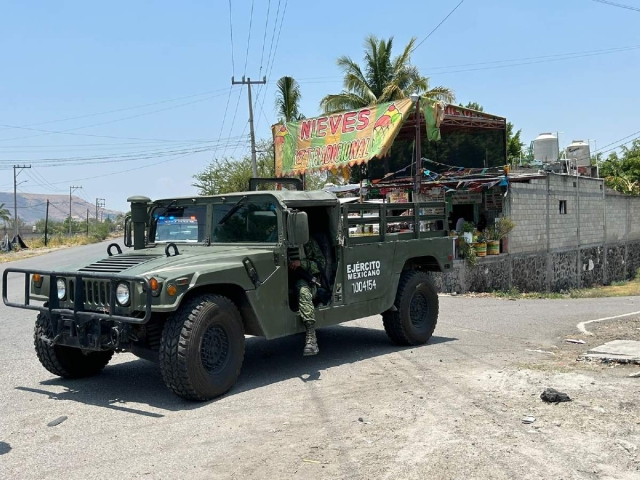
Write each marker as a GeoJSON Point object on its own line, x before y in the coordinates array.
{"type": "Point", "coordinates": [64, 361]}
{"type": "Point", "coordinates": [414, 320]}
{"type": "Point", "coordinates": [202, 348]}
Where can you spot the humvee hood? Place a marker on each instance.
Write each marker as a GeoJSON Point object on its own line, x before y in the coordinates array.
{"type": "Point", "coordinates": [154, 260]}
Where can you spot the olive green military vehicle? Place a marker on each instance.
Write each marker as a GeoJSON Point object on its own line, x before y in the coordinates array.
{"type": "Point", "coordinates": [203, 272]}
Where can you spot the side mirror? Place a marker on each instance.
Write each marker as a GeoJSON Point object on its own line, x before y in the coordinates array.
{"type": "Point", "coordinates": [127, 231]}
{"type": "Point", "coordinates": [297, 228]}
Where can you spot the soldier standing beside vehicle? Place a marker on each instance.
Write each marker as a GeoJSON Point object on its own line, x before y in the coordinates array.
{"type": "Point", "coordinates": [313, 263]}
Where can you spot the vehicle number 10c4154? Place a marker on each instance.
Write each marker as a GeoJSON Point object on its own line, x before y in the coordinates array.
{"type": "Point", "coordinates": [364, 285]}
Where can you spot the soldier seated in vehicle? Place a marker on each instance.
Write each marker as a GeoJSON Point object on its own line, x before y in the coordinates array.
{"type": "Point", "coordinates": [313, 263]}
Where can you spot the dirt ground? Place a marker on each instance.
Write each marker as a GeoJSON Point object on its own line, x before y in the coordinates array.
{"type": "Point", "coordinates": [475, 428]}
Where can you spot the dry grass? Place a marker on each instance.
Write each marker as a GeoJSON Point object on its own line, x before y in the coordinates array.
{"type": "Point", "coordinates": [628, 288]}
{"type": "Point", "coordinates": [36, 246]}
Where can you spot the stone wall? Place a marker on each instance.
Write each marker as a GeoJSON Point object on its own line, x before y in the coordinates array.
{"type": "Point", "coordinates": [538, 272]}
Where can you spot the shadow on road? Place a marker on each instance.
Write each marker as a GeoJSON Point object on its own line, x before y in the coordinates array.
{"type": "Point", "coordinates": [4, 448]}
{"type": "Point", "coordinates": [266, 362]}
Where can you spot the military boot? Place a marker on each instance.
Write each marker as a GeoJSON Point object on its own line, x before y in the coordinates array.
{"type": "Point", "coordinates": [311, 343]}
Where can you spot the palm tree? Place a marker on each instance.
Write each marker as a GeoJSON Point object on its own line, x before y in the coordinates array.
{"type": "Point", "coordinates": [382, 78]}
{"type": "Point", "coordinates": [5, 215]}
{"type": "Point", "coordinates": [288, 100]}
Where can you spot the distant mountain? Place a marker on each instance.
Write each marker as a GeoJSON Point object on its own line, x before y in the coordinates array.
{"type": "Point", "coordinates": [32, 207]}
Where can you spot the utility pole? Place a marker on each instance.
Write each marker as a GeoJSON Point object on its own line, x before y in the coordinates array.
{"type": "Point", "coordinates": [87, 222]}
{"type": "Point", "coordinates": [15, 196]}
{"type": "Point", "coordinates": [99, 204]}
{"type": "Point", "coordinates": [46, 224]}
{"type": "Point", "coordinates": [248, 83]}
{"type": "Point", "coordinates": [72, 188]}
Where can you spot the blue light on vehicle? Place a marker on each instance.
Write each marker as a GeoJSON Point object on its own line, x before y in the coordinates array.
{"type": "Point", "coordinates": [172, 218]}
{"type": "Point", "coordinates": [161, 218]}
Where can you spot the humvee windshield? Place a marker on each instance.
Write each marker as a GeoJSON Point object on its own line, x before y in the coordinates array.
{"type": "Point", "coordinates": [181, 224]}
{"type": "Point", "coordinates": [254, 222]}
{"type": "Point", "coordinates": [251, 222]}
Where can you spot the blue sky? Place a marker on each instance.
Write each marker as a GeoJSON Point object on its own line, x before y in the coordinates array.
{"type": "Point", "coordinates": [68, 59]}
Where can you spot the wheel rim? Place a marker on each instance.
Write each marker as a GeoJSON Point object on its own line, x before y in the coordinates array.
{"type": "Point", "coordinates": [214, 349]}
{"type": "Point", "coordinates": [419, 309]}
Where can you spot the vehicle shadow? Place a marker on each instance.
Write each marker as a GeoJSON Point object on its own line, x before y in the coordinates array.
{"type": "Point", "coordinates": [266, 362]}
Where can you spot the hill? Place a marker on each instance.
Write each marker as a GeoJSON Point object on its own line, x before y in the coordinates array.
{"type": "Point", "coordinates": [32, 207]}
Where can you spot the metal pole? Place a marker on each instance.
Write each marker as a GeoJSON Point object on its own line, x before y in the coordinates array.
{"type": "Point", "coordinates": [418, 179]}
{"type": "Point", "coordinates": [87, 222]}
{"type": "Point", "coordinates": [46, 223]}
{"type": "Point", "coordinates": [72, 188]}
{"type": "Point", "coordinates": [16, 226]}
{"type": "Point", "coordinates": [248, 82]}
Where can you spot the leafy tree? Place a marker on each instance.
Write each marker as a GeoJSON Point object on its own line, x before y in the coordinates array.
{"type": "Point", "coordinates": [382, 78]}
{"type": "Point", "coordinates": [514, 143]}
{"type": "Point", "coordinates": [473, 106]}
{"type": "Point", "coordinates": [227, 175]}
{"type": "Point", "coordinates": [622, 173]}
{"type": "Point", "coordinates": [288, 100]}
{"type": "Point", "coordinates": [5, 215]}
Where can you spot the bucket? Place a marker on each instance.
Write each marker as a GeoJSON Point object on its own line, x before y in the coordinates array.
{"type": "Point", "coordinates": [481, 249]}
{"type": "Point", "coordinates": [493, 247]}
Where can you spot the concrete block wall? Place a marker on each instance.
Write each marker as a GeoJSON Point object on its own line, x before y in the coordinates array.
{"type": "Point", "coordinates": [528, 209]}
{"type": "Point", "coordinates": [634, 219]}
{"type": "Point", "coordinates": [617, 217]}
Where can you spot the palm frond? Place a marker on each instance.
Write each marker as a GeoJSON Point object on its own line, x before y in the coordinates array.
{"type": "Point", "coordinates": [342, 101]}
{"type": "Point", "coordinates": [288, 98]}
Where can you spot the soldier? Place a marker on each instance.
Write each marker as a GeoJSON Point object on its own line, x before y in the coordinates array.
{"type": "Point", "coordinates": [313, 262]}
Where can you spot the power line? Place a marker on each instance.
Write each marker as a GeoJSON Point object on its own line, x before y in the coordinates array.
{"type": "Point", "coordinates": [284, 11]}
{"type": "Point", "coordinates": [38, 174]}
{"type": "Point", "coordinates": [224, 117]}
{"type": "Point", "coordinates": [68, 130]}
{"type": "Point", "coordinates": [623, 138]}
{"type": "Point", "coordinates": [246, 57]}
{"type": "Point", "coordinates": [264, 39]}
{"type": "Point", "coordinates": [544, 59]}
{"type": "Point", "coordinates": [233, 63]}
{"type": "Point", "coordinates": [619, 5]}
{"type": "Point", "coordinates": [437, 26]}
{"type": "Point", "coordinates": [235, 113]}
{"type": "Point", "coordinates": [58, 161]}
{"type": "Point", "coordinates": [117, 110]}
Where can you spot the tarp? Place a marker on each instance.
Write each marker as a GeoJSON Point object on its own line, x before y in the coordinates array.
{"type": "Point", "coordinates": [340, 140]}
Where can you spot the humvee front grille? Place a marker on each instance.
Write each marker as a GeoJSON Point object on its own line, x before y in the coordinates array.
{"type": "Point", "coordinates": [118, 263]}
{"type": "Point", "coordinates": [97, 293]}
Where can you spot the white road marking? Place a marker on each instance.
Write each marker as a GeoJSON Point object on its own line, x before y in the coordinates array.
{"type": "Point", "coordinates": [583, 329]}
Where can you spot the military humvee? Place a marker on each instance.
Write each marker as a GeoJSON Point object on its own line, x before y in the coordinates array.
{"type": "Point", "coordinates": [204, 272]}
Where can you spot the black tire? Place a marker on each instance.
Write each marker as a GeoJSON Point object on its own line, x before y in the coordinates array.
{"type": "Point", "coordinates": [67, 362]}
{"type": "Point", "coordinates": [415, 319]}
{"type": "Point", "coordinates": [202, 348]}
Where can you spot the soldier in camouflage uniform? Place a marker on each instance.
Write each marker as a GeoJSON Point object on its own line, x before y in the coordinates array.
{"type": "Point", "coordinates": [313, 262]}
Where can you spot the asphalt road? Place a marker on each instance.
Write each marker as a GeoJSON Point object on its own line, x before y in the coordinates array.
{"type": "Point", "coordinates": [362, 408]}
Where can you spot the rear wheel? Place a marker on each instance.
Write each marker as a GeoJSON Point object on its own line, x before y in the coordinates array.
{"type": "Point", "coordinates": [64, 361]}
{"type": "Point", "coordinates": [414, 320]}
{"type": "Point", "coordinates": [202, 348]}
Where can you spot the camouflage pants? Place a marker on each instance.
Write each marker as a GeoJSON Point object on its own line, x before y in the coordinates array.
{"type": "Point", "coordinates": [306, 293]}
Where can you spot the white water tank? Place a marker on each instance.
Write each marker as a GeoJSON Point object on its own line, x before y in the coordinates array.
{"type": "Point", "coordinates": [545, 148]}
{"type": "Point", "coordinates": [579, 154]}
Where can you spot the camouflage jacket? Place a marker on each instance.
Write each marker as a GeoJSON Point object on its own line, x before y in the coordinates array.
{"type": "Point", "coordinates": [313, 261]}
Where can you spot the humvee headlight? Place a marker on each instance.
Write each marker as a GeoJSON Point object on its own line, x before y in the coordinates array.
{"type": "Point", "coordinates": [62, 288]}
{"type": "Point", "coordinates": [122, 294]}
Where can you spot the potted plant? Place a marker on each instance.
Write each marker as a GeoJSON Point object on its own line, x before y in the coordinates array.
{"type": "Point", "coordinates": [503, 227]}
{"type": "Point", "coordinates": [468, 252]}
{"type": "Point", "coordinates": [480, 245]}
{"type": "Point", "coordinates": [493, 241]}
{"type": "Point", "coordinates": [467, 231]}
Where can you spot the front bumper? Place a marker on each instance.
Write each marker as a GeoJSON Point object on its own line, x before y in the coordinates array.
{"type": "Point", "coordinates": [85, 300]}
